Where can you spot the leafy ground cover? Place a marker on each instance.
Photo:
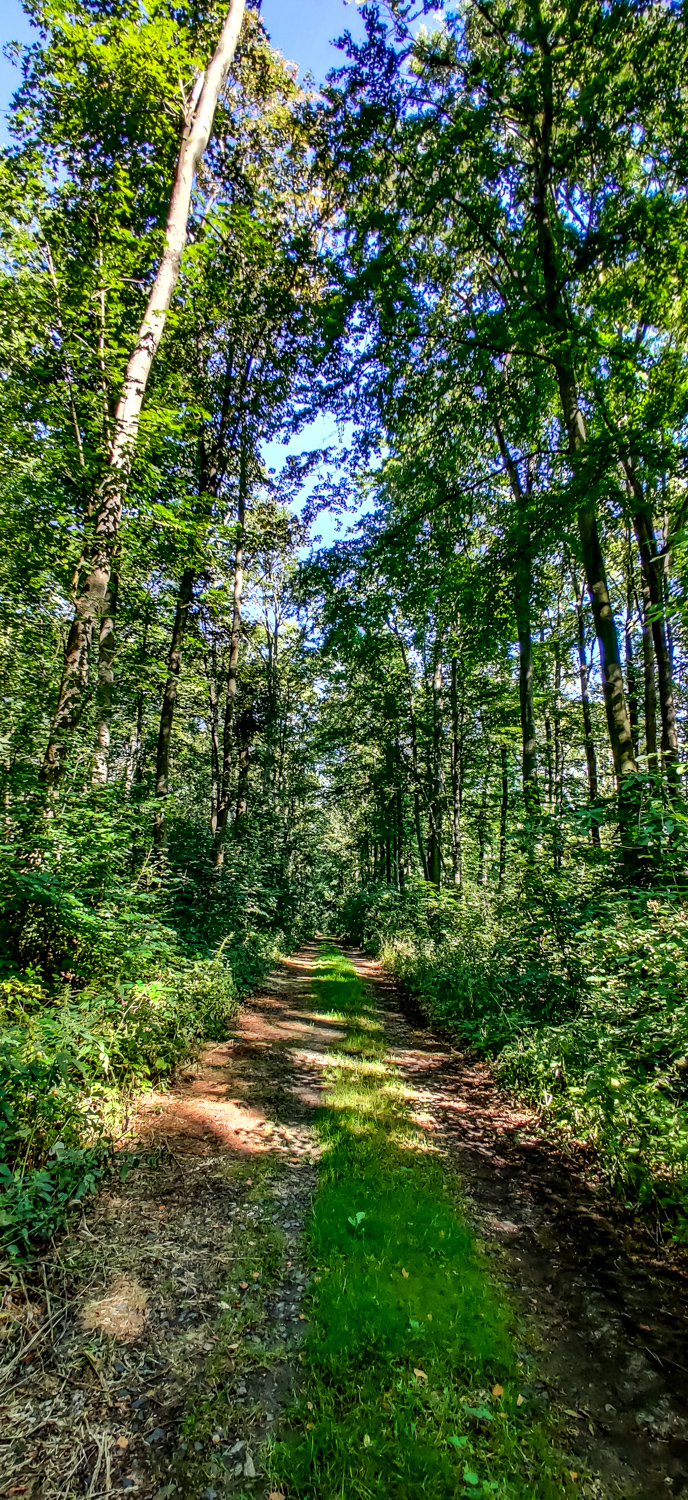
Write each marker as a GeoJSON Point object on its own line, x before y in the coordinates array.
{"type": "Point", "coordinates": [411, 1383]}
{"type": "Point", "coordinates": [579, 996]}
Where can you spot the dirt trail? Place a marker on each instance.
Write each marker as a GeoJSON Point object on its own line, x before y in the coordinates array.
{"type": "Point", "coordinates": [171, 1319]}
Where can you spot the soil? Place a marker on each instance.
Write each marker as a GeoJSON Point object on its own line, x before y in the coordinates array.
{"type": "Point", "coordinates": [133, 1359]}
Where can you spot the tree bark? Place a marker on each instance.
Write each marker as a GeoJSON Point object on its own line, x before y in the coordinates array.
{"type": "Point", "coordinates": [651, 564]}
{"type": "Point", "coordinates": [169, 703]}
{"type": "Point", "coordinates": [112, 492]}
{"type": "Point", "coordinates": [588, 738]}
{"type": "Point", "coordinates": [214, 704]}
{"type": "Point", "coordinates": [414, 756]}
{"type": "Point", "coordinates": [245, 732]}
{"type": "Point", "coordinates": [558, 799]}
{"type": "Point", "coordinates": [457, 778]}
{"type": "Point", "coordinates": [557, 316]}
{"type": "Point", "coordinates": [503, 814]}
{"type": "Point", "coordinates": [522, 594]}
{"type": "Point", "coordinates": [631, 677]}
{"type": "Point", "coordinates": [232, 670]}
{"type": "Point", "coordinates": [400, 839]}
{"type": "Point", "coordinates": [436, 802]}
{"type": "Point", "coordinates": [650, 692]}
{"type": "Point", "coordinates": [106, 679]}
{"type": "Point", "coordinates": [549, 757]}
{"type": "Point", "coordinates": [482, 821]}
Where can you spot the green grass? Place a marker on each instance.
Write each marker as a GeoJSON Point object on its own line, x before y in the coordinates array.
{"type": "Point", "coordinates": [408, 1335]}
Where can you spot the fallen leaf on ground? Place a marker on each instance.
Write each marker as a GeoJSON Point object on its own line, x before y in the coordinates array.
{"type": "Point", "coordinates": [498, 1390]}
{"type": "Point", "coordinates": [122, 1442]}
{"type": "Point", "coordinates": [420, 1374]}
{"type": "Point", "coordinates": [275, 1495]}
{"type": "Point", "coordinates": [404, 1273]}
{"type": "Point", "coordinates": [574, 1474]}
{"type": "Point", "coordinates": [520, 1400]}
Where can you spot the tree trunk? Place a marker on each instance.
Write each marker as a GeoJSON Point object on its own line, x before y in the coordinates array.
{"type": "Point", "coordinates": [651, 564]}
{"type": "Point", "coordinates": [650, 693]}
{"type": "Point", "coordinates": [558, 802]}
{"type": "Point", "coordinates": [503, 814]}
{"type": "Point", "coordinates": [245, 732]}
{"type": "Point", "coordinates": [631, 677]}
{"type": "Point", "coordinates": [457, 779]}
{"type": "Point", "coordinates": [230, 700]}
{"type": "Point", "coordinates": [169, 703]}
{"type": "Point", "coordinates": [618, 721]}
{"type": "Point", "coordinates": [550, 759]}
{"type": "Point", "coordinates": [522, 593]}
{"type": "Point", "coordinates": [610, 662]}
{"type": "Point", "coordinates": [436, 809]}
{"type": "Point", "coordinates": [590, 753]}
{"type": "Point", "coordinates": [400, 839]}
{"type": "Point", "coordinates": [106, 678]}
{"type": "Point", "coordinates": [214, 704]}
{"type": "Point", "coordinates": [482, 822]}
{"type": "Point", "coordinates": [112, 493]}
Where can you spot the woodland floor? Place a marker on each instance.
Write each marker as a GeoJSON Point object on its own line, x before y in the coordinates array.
{"type": "Point", "coordinates": [159, 1341]}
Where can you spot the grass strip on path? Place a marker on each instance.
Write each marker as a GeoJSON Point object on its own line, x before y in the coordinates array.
{"type": "Point", "coordinates": [410, 1379]}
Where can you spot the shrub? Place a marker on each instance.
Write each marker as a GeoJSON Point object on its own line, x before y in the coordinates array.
{"type": "Point", "coordinates": [580, 997]}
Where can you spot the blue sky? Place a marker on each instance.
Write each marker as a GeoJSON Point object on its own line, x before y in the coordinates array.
{"type": "Point", "coordinates": [303, 30]}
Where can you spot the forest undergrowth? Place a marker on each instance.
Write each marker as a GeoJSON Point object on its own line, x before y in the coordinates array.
{"type": "Point", "coordinates": [107, 989]}
{"type": "Point", "coordinates": [577, 995]}
{"type": "Point", "coordinates": [410, 1381]}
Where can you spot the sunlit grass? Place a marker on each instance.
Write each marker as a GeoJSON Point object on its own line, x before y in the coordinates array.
{"type": "Point", "coordinates": [408, 1337]}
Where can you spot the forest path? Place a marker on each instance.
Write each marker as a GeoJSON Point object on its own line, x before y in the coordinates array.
{"type": "Point", "coordinates": [606, 1309]}
{"type": "Point", "coordinates": [174, 1316]}
{"type": "Point", "coordinates": [153, 1375]}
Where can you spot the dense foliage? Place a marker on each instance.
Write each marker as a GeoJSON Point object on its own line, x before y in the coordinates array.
{"type": "Point", "coordinates": [459, 730]}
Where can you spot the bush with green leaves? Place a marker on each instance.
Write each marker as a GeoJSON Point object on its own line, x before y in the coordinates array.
{"type": "Point", "coordinates": [580, 996]}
